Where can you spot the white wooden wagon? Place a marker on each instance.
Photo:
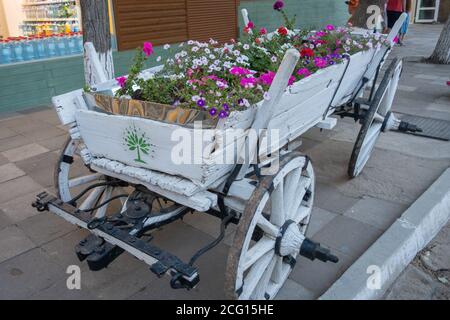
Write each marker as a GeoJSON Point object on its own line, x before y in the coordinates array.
{"type": "Point", "coordinates": [122, 197]}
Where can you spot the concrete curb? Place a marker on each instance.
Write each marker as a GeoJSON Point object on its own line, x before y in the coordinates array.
{"type": "Point", "coordinates": [383, 262]}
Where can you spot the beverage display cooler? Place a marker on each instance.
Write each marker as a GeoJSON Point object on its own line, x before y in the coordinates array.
{"type": "Point", "coordinates": [39, 30]}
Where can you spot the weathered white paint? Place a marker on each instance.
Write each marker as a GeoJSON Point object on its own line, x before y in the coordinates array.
{"type": "Point", "coordinates": [200, 201]}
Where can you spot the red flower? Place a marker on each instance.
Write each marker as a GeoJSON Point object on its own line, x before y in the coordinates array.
{"type": "Point", "coordinates": [250, 25]}
{"type": "Point", "coordinates": [282, 31]}
{"type": "Point", "coordinates": [263, 31]}
{"type": "Point", "coordinates": [307, 52]}
{"type": "Point", "coordinates": [246, 29]}
{"type": "Point", "coordinates": [257, 41]}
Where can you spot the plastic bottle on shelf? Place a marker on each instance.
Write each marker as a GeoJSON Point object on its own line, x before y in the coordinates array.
{"type": "Point", "coordinates": [71, 44]}
{"type": "Point", "coordinates": [79, 41]}
{"type": "Point", "coordinates": [61, 45]}
{"type": "Point", "coordinates": [51, 47]}
{"type": "Point", "coordinates": [28, 49]}
{"type": "Point", "coordinates": [18, 50]}
{"type": "Point", "coordinates": [40, 47]}
{"type": "Point", "coordinates": [5, 52]}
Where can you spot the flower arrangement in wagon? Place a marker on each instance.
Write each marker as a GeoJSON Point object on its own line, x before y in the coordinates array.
{"type": "Point", "coordinates": [222, 78]}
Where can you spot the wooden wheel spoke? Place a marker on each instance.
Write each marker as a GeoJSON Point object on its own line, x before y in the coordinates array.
{"type": "Point", "coordinates": [302, 213]}
{"type": "Point", "coordinates": [84, 180]}
{"type": "Point", "coordinates": [257, 251]}
{"type": "Point", "coordinates": [278, 215]}
{"type": "Point", "coordinates": [261, 288]}
{"type": "Point", "coordinates": [101, 212]}
{"type": "Point", "coordinates": [92, 198]}
{"type": "Point", "coordinates": [255, 274]}
{"type": "Point", "coordinates": [290, 187]}
{"type": "Point", "coordinates": [268, 227]}
{"type": "Point", "coordinates": [302, 187]}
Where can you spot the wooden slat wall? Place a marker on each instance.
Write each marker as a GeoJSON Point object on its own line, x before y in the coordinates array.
{"type": "Point", "coordinates": [215, 19]}
{"type": "Point", "coordinates": [171, 21]}
{"type": "Point", "coordinates": [160, 22]}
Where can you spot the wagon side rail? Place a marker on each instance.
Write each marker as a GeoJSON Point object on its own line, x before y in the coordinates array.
{"type": "Point", "coordinates": [266, 110]}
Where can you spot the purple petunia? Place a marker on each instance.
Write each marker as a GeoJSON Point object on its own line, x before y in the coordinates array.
{"type": "Point", "coordinates": [223, 114]}
{"type": "Point", "coordinates": [201, 103]}
{"type": "Point", "coordinates": [278, 5]}
{"type": "Point", "coordinates": [213, 112]}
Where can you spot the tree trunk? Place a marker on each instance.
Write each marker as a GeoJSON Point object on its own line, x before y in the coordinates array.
{"type": "Point", "coordinates": [366, 16]}
{"type": "Point", "coordinates": [441, 54]}
{"type": "Point", "coordinates": [95, 17]}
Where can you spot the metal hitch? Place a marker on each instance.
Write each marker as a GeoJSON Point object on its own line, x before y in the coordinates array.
{"type": "Point", "coordinates": [97, 252]}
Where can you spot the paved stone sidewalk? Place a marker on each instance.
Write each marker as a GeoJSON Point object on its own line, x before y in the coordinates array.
{"type": "Point", "coordinates": [349, 215]}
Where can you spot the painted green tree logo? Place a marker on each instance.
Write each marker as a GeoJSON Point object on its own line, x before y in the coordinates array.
{"type": "Point", "coordinates": [137, 141]}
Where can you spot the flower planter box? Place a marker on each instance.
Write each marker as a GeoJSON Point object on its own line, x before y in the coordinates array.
{"type": "Point", "coordinates": [301, 107]}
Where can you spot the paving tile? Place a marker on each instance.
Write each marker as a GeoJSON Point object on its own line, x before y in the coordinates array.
{"type": "Point", "coordinates": [20, 208]}
{"type": "Point", "coordinates": [40, 168]}
{"type": "Point", "coordinates": [45, 227]}
{"type": "Point", "coordinates": [59, 291]}
{"type": "Point", "coordinates": [13, 242]}
{"type": "Point", "coordinates": [13, 142]}
{"type": "Point", "coordinates": [6, 132]}
{"type": "Point", "coordinates": [291, 290]}
{"type": "Point", "coordinates": [319, 219]}
{"type": "Point", "coordinates": [18, 187]}
{"type": "Point", "coordinates": [317, 276]}
{"type": "Point", "coordinates": [329, 198]}
{"type": "Point", "coordinates": [125, 286]}
{"type": "Point", "coordinates": [9, 172]}
{"type": "Point", "coordinates": [104, 283]}
{"type": "Point", "coordinates": [24, 152]}
{"type": "Point", "coordinates": [3, 160]}
{"type": "Point", "coordinates": [375, 212]}
{"type": "Point", "coordinates": [54, 143]}
{"type": "Point", "coordinates": [44, 133]}
{"type": "Point", "coordinates": [348, 236]}
{"type": "Point", "coordinates": [205, 223]}
{"type": "Point", "coordinates": [47, 115]}
{"type": "Point", "coordinates": [4, 220]}
{"type": "Point", "coordinates": [28, 274]}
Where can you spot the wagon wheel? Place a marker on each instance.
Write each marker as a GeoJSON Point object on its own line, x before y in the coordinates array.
{"type": "Point", "coordinates": [372, 125]}
{"type": "Point", "coordinates": [72, 176]}
{"type": "Point", "coordinates": [257, 265]}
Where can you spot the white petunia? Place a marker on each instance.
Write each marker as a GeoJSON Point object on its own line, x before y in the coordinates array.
{"type": "Point", "coordinates": [274, 59]}
{"type": "Point", "coordinates": [158, 59]}
{"type": "Point", "coordinates": [195, 49]}
{"type": "Point", "coordinates": [246, 47]}
{"type": "Point", "coordinates": [166, 46]}
{"type": "Point", "coordinates": [267, 96]}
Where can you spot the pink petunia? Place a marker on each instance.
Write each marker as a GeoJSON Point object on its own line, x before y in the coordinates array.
{"type": "Point", "coordinates": [291, 80]}
{"type": "Point", "coordinates": [239, 71]}
{"type": "Point", "coordinates": [250, 25]}
{"type": "Point", "coordinates": [148, 49]}
{"type": "Point", "coordinates": [267, 78]}
{"type": "Point", "coordinates": [121, 81]}
{"type": "Point", "coordinates": [320, 62]}
{"type": "Point", "coordinates": [304, 72]}
{"type": "Point", "coordinates": [263, 31]}
{"type": "Point", "coordinates": [330, 27]}
{"type": "Point", "coordinates": [248, 82]}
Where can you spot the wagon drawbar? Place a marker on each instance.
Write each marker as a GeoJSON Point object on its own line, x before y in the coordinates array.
{"type": "Point", "coordinates": [121, 204]}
